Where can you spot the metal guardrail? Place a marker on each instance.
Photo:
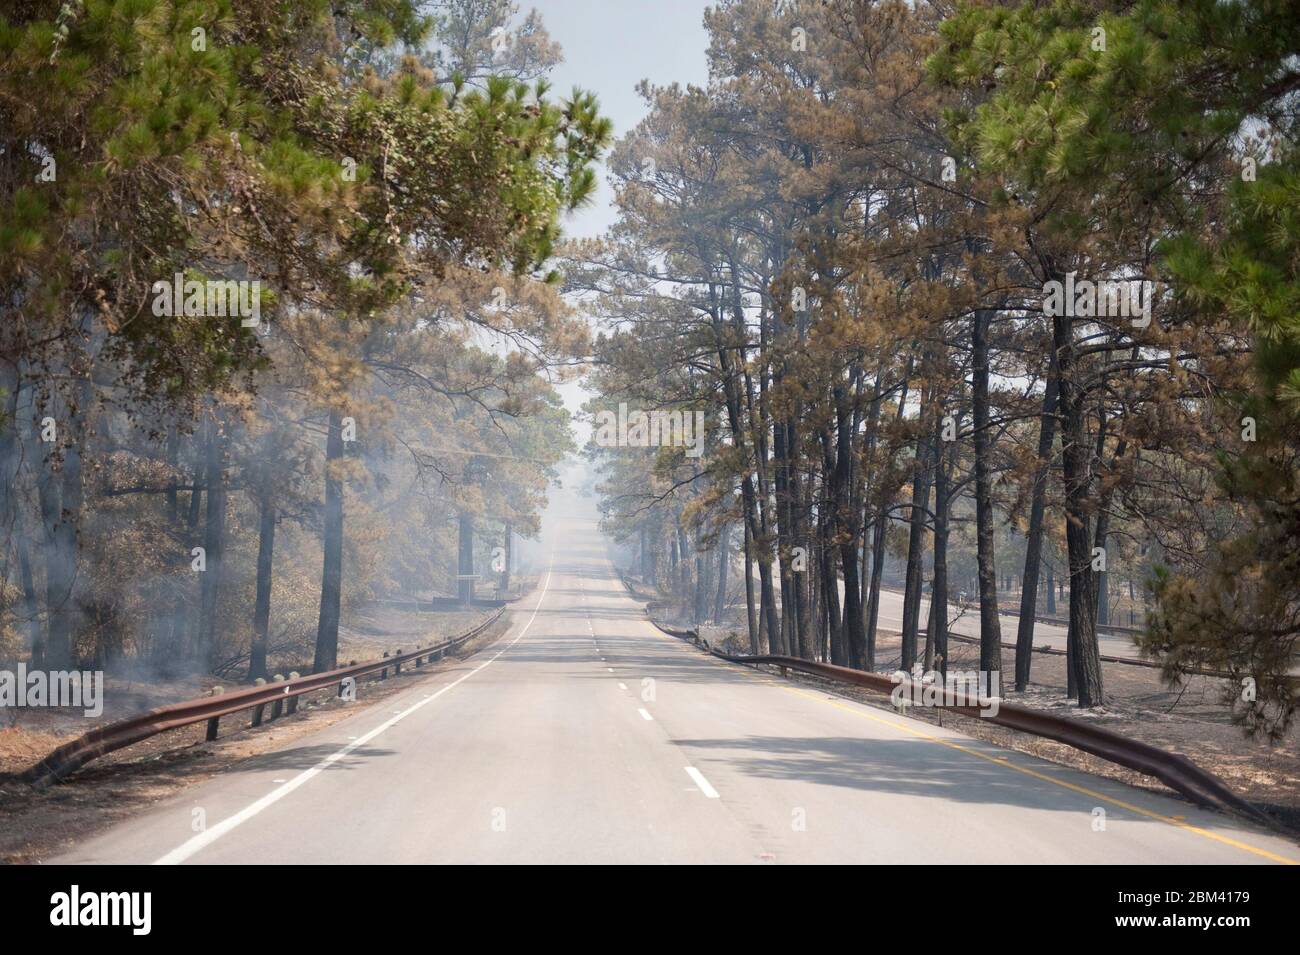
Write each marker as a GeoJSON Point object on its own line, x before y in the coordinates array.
{"type": "Point", "coordinates": [1177, 772]}
{"type": "Point", "coordinates": [76, 753]}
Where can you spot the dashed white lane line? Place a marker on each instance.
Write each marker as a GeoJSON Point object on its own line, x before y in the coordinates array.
{"type": "Point", "coordinates": [622, 686]}
{"type": "Point", "coordinates": [645, 714]}
{"type": "Point", "coordinates": [209, 836]}
{"type": "Point", "coordinates": [703, 783]}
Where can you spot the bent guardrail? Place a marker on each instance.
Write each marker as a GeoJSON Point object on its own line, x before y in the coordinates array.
{"type": "Point", "coordinates": [76, 753]}
{"type": "Point", "coordinates": [1177, 772]}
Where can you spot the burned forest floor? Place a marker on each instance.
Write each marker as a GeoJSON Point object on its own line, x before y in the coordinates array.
{"type": "Point", "coordinates": [36, 824]}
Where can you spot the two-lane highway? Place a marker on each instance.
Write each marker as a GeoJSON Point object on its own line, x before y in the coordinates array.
{"type": "Point", "coordinates": [586, 735]}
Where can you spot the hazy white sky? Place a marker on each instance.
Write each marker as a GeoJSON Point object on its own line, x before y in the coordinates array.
{"type": "Point", "coordinates": [610, 46]}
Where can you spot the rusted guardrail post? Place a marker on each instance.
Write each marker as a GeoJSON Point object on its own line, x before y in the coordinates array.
{"type": "Point", "coordinates": [397, 667]}
{"type": "Point", "coordinates": [261, 707]}
{"type": "Point", "coordinates": [383, 674]}
{"type": "Point", "coordinates": [277, 707]}
{"type": "Point", "coordinates": [291, 706]}
{"type": "Point", "coordinates": [212, 723]}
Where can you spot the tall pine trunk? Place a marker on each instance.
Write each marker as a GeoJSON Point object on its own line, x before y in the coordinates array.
{"type": "Point", "coordinates": [1084, 655]}
{"type": "Point", "coordinates": [921, 477]}
{"type": "Point", "coordinates": [1102, 533]}
{"type": "Point", "coordinates": [720, 596]}
{"type": "Point", "coordinates": [990, 625]}
{"type": "Point", "coordinates": [848, 530]}
{"type": "Point", "coordinates": [59, 492]}
{"type": "Point", "coordinates": [1034, 538]}
{"type": "Point", "coordinates": [183, 630]}
{"type": "Point", "coordinates": [751, 613]}
{"type": "Point", "coordinates": [331, 584]}
{"type": "Point", "coordinates": [262, 603]}
{"type": "Point", "coordinates": [214, 542]}
{"type": "Point", "coordinates": [873, 594]}
{"type": "Point", "coordinates": [939, 590]}
{"type": "Point", "coordinates": [702, 586]}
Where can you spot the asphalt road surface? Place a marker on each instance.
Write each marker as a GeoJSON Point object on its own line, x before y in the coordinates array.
{"type": "Point", "coordinates": [585, 735]}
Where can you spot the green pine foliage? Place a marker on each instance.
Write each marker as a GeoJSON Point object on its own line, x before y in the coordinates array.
{"type": "Point", "coordinates": [1181, 117]}
{"type": "Point", "coordinates": [250, 139]}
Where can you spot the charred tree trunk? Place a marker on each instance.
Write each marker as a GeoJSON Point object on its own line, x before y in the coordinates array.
{"type": "Point", "coordinates": [1103, 594]}
{"type": "Point", "coordinates": [848, 531]}
{"type": "Point", "coordinates": [1101, 535]}
{"type": "Point", "coordinates": [11, 514]}
{"type": "Point", "coordinates": [939, 590]}
{"type": "Point", "coordinates": [878, 528]}
{"type": "Point", "coordinates": [183, 635]}
{"type": "Point", "coordinates": [740, 409]}
{"type": "Point", "coordinates": [702, 586]}
{"type": "Point", "coordinates": [927, 657]}
{"type": "Point", "coordinates": [1084, 654]}
{"type": "Point", "coordinates": [830, 591]}
{"type": "Point", "coordinates": [921, 476]}
{"type": "Point", "coordinates": [720, 596]}
{"type": "Point", "coordinates": [769, 619]}
{"type": "Point", "coordinates": [751, 615]}
{"type": "Point", "coordinates": [990, 625]}
{"type": "Point", "coordinates": [827, 531]}
{"type": "Point", "coordinates": [331, 586]}
{"type": "Point", "coordinates": [802, 634]}
{"type": "Point", "coordinates": [879, 525]}
{"type": "Point", "coordinates": [262, 604]}
{"type": "Point", "coordinates": [683, 570]}
{"type": "Point", "coordinates": [59, 567]}
{"type": "Point", "coordinates": [1034, 539]}
{"type": "Point", "coordinates": [214, 541]}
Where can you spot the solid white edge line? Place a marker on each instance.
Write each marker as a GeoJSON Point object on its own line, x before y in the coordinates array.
{"type": "Point", "coordinates": [209, 836]}
{"type": "Point", "coordinates": [703, 783]}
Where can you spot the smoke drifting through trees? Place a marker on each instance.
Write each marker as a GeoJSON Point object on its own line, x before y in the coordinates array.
{"type": "Point", "coordinates": [880, 257]}
{"type": "Point", "coordinates": [187, 488]}
{"type": "Point", "coordinates": [848, 252]}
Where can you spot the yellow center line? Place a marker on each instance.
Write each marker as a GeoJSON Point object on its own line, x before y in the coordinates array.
{"type": "Point", "coordinates": [1007, 764]}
